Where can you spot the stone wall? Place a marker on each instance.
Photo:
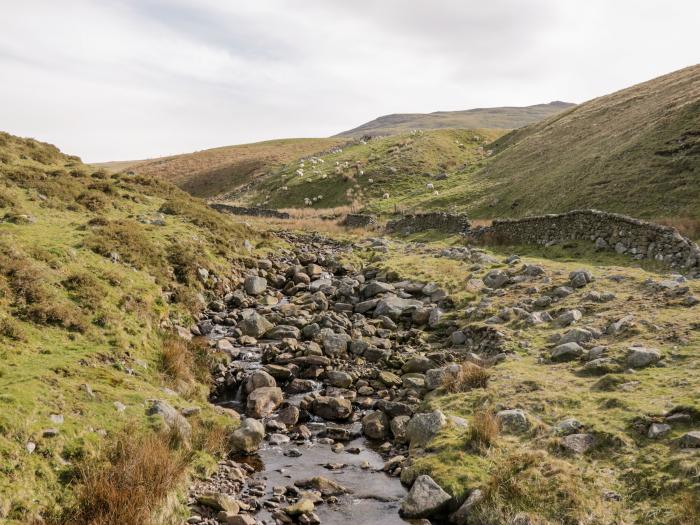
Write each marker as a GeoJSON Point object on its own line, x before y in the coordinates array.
{"type": "Point", "coordinates": [609, 231]}
{"type": "Point", "coordinates": [358, 220]}
{"type": "Point", "coordinates": [441, 221]}
{"type": "Point", "coordinates": [241, 210]}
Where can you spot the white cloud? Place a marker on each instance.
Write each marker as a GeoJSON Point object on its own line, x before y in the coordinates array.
{"type": "Point", "coordinates": [138, 78]}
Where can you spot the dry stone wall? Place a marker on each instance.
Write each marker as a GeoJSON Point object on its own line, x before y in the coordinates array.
{"type": "Point", "coordinates": [256, 212]}
{"type": "Point", "coordinates": [609, 231]}
{"type": "Point", "coordinates": [441, 221]}
{"type": "Point", "coordinates": [358, 220]}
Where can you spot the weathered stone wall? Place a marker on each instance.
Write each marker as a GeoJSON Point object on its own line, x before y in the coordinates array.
{"type": "Point", "coordinates": [358, 220]}
{"type": "Point", "coordinates": [256, 212]}
{"type": "Point", "coordinates": [441, 221]}
{"type": "Point", "coordinates": [609, 231]}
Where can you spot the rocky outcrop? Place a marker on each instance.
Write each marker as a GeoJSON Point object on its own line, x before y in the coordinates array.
{"type": "Point", "coordinates": [358, 220]}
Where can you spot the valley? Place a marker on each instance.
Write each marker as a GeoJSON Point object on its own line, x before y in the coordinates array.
{"type": "Point", "coordinates": [425, 325]}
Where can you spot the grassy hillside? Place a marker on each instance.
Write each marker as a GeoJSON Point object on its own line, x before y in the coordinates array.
{"type": "Point", "coordinates": [497, 118]}
{"type": "Point", "coordinates": [636, 151]}
{"type": "Point", "coordinates": [215, 171]}
{"type": "Point", "coordinates": [363, 172]}
{"type": "Point", "coordinates": [94, 270]}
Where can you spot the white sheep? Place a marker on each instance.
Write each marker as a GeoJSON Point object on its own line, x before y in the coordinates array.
{"type": "Point", "coordinates": [430, 186]}
{"type": "Point", "coordinates": [324, 176]}
{"type": "Point", "coordinates": [362, 172]}
{"type": "Point", "coordinates": [385, 196]}
{"type": "Point", "coordinates": [300, 172]}
{"type": "Point", "coordinates": [319, 197]}
{"type": "Point", "coordinates": [284, 188]}
{"type": "Point", "coordinates": [370, 181]}
{"type": "Point", "coordinates": [436, 192]}
{"type": "Point", "coordinates": [307, 201]}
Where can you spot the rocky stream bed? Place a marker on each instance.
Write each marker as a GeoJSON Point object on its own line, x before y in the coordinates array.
{"type": "Point", "coordinates": [328, 365]}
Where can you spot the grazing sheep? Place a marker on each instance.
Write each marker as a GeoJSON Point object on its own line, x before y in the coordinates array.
{"type": "Point", "coordinates": [430, 186]}
{"type": "Point", "coordinates": [436, 192]}
{"type": "Point", "coordinates": [362, 172]}
{"type": "Point", "coordinates": [319, 197]}
{"type": "Point", "coordinates": [300, 172]}
{"type": "Point", "coordinates": [284, 188]}
{"type": "Point", "coordinates": [370, 181]}
{"type": "Point", "coordinates": [324, 176]}
{"type": "Point", "coordinates": [385, 196]}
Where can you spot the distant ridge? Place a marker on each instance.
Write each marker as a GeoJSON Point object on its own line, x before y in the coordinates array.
{"type": "Point", "coordinates": [508, 117]}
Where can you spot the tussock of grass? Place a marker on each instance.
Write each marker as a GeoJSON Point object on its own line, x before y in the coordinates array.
{"type": "Point", "coordinates": [483, 431]}
{"type": "Point", "coordinates": [129, 483]}
{"type": "Point", "coordinates": [532, 482]}
{"type": "Point", "coordinates": [468, 377]}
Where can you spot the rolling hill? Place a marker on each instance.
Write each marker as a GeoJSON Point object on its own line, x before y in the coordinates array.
{"type": "Point", "coordinates": [635, 151]}
{"type": "Point", "coordinates": [495, 118]}
{"type": "Point", "coordinates": [215, 171]}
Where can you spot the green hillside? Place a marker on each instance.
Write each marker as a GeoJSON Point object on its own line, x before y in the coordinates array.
{"type": "Point", "coordinates": [497, 118]}
{"type": "Point", "coordinates": [636, 151]}
{"type": "Point", "coordinates": [401, 166]}
{"type": "Point", "coordinates": [95, 270]}
{"type": "Point", "coordinates": [217, 171]}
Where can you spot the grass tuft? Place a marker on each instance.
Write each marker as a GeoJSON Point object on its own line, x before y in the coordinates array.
{"type": "Point", "coordinates": [483, 431]}
{"type": "Point", "coordinates": [468, 377]}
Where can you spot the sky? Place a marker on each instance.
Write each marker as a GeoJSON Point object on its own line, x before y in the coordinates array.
{"type": "Point", "coordinates": [130, 79]}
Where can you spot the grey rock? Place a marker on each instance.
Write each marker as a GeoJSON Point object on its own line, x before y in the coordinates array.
{"type": "Point", "coordinates": [263, 401]}
{"type": "Point", "coordinates": [513, 420]}
{"type": "Point", "coordinates": [690, 439]}
{"type": "Point", "coordinates": [253, 324]}
{"type": "Point", "coordinates": [566, 352]}
{"type": "Point", "coordinates": [578, 443]}
{"type": "Point", "coordinates": [424, 427]}
{"type": "Point", "coordinates": [335, 344]}
{"type": "Point", "coordinates": [375, 425]}
{"type": "Point", "coordinates": [640, 357]}
{"type": "Point", "coordinates": [171, 417]}
{"type": "Point", "coordinates": [657, 430]}
{"type": "Point", "coordinates": [425, 498]}
{"type": "Point", "coordinates": [332, 408]}
{"type": "Point", "coordinates": [246, 439]}
{"type": "Point", "coordinates": [496, 279]}
{"type": "Point", "coordinates": [461, 515]}
{"type": "Point", "coordinates": [255, 285]}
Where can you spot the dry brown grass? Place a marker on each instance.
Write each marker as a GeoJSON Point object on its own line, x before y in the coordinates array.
{"type": "Point", "coordinates": [468, 377]}
{"type": "Point", "coordinates": [685, 226]}
{"type": "Point", "coordinates": [483, 431]}
{"type": "Point", "coordinates": [185, 361]}
{"type": "Point", "coordinates": [129, 483]}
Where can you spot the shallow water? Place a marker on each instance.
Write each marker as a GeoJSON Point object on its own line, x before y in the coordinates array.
{"type": "Point", "coordinates": [375, 496]}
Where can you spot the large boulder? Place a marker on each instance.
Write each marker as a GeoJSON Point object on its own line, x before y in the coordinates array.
{"type": "Point", "coordinates": [263, 401]}
{"type": "Point", "coordinates": [393, 307]}
{"type": "Point", "coordinates": [567, 352]}
{"type": "Point", "coordinates": [253, 324]}
{"type": "Point", "coordinates": [639, 356]}
{"type": "Point", "coordinates": [171, 417]}
{"type": "Point", "coordinates": [283, 331]}
{"type": "Point", "coordinates": [335, 345]}
{"type": "Point", "coordinates": [376, 287]}
{"type": "Point", "coordinates": [255, 285]}
{"type": "Point", "coordinates": [424, 427]}
{"type": "Point", "coordinates": [332, 408]}
{"type": "Point", "coordinates": [513, 420]}
{"type": "Point", "coordinates": [258, 379]}
{"type": "Point", "coordinates": [375, 425]}
{"type": "Point", "coordinates": [496, 279]}
{"type": "Point", "coordinates": [425, 499]}
{"type": "Point", "coordinates": [246, 439]}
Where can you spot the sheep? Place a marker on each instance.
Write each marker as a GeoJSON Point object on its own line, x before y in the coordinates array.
{"type": "Point", "coordinates": [285, 188]}
{"type": "Point", "coordinates": [362, 172]}
{"type": "Point", "coordinates": [319, 197]}
{"type": "Point", "coordinates": [370, 181]}
{"type": "Point", "coordinates": [430, 186]}
{"type": "Point", "coordinates": [436, 192]}
{"type": "Point", "coordinates": [385, 196]}
{"type": "Point", "coordinates": [324, 176]}
{"type": "Point", "coordinates": [300, 172]}
{"type": "Point", "coordinates": [307, 201]}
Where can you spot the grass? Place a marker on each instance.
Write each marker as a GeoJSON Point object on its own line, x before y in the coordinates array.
{"type": "Point", "coordinates": [529, 472]}
{"type": "Point", "coordinates": [468, 377]}
{"type": "Point", "coordinates": [129, 483]}
{"type": "Point", "coordinates": [221, 170]}
{"type": "Point", "coordinates": [73, 315]}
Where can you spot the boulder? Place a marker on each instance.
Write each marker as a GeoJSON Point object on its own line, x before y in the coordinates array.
{"type": "Point", "coordinates": [461, 515]}
{"type": "Point", "coordinates": [496, 279]}
{"type": "Point", "coordinates": [219, 501]}
{"type": "Point", "coordinates": [375, 425]}
{"type": "Point", "coordinates": [578, 443]}
{"type": "Point", "coordinates": [258, 379]}
{"type": "Point", "coordinates": [332, 408]}
{"type": "Point", "coordinates": [263, 401]}
{"type": "Point", "coordinates": [255, 285]}
{"type": "Point", "coordinates": [690, 439]}
{"type": "Point", "coordinates": [424, 427]}
{"type": "Point", "coordinates": [398, 427]}
{"type": "Point", "coordinates": [171, 417]}
{"type": "Point", "coordinates": [513, 420]}
{"type": "Point", "coordinates": [640, 357]}
{"type": "Point", "coordinates": [335, 345]}
{"type": "Point", "coordinates": [247, 438]}
{"type": "Point", "coordinates": [567, 352]}
{"type": "Point", "coordinates": [425, 499]}
{"type": "Point", "coordinates": [283, 331]}
{"type": "Point", "coordinates": [253, 324]}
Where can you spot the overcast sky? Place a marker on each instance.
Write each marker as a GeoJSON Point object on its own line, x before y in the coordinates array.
{"type": "Point", "coordinates": [127, 79]}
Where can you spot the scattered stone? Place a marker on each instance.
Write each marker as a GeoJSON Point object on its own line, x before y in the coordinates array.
{"type": "Point", "coordinates": [425, 498]}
